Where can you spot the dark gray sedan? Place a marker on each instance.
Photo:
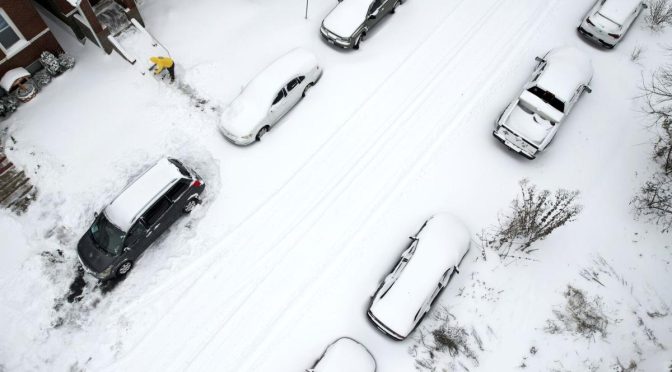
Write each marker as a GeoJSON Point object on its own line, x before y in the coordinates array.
{"type": "Point", "coordinates": [349, 22]}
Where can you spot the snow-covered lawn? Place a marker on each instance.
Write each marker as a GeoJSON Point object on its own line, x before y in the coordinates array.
{"type": "Point", "coordinates": [297, 231]}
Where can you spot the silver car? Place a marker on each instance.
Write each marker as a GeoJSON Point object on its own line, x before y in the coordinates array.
{"type": "Point", "coordinates": [347, 25]}
{"type": "Point", "coordinates": [345, 355]}
{"type": "Point", "coordinates": [269, 97]}
{"type": "Point", "coordinates": [407, 294]}
{"type": "Point", "coordinates": [608, 20]}
{"type": "Point", "coordinates": [531, 121]}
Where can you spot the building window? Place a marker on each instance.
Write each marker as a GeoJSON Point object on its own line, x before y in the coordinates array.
{"type": "Point", "coordinates": [9, 35]}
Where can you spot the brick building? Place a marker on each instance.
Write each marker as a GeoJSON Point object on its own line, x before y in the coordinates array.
{"type": "Point", "coordinates": [23, 36]}
{"type": "Point", "coordinates": [95, 20]}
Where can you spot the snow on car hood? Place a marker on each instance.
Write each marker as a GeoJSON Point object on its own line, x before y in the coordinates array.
{"type": "Point", "coordinates": [347, 17]}
{"type": "Point", "coordinates": [243, 115]}
{"type": "Point", "coordinates": [531, 118]}
{"type": "Point", "coordinates": [346, 355]}
{"type": "Point", "coordinates": [442, 244]}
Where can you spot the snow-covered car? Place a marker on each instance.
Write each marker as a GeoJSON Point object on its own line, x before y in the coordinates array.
{"type": "Point", "coordinates": [345, 355]}
{"type": "Point", "coordinates": [137, 217]}
{"type": "Point", "coordinates": [347, 24]}
{"type": "Point", "coordinates": [530, 122]}
{"type": "Point", "coordinates": [406, 295]}
{"type": "Point", "coordinates": [608, 20]}
{"type": "Point", "coordinates": [269, 96]}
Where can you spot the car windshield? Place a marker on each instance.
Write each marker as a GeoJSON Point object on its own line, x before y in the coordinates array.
{"type": "Point", "coordinates": [548, 97]}
{"type": "Point", "coordinates": [107, 236]}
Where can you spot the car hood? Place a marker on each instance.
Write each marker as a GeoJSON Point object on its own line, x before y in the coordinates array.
{"type": "Point", "coordinates": [91, 256]}
{"type": "Point", "coordinates": [346, 18]}
{"type": "Point", "coordinates": [243, 116]}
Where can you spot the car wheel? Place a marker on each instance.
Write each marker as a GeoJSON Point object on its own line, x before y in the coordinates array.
{"type": "Point", "coordinates": [262, 132]}
{"type": "Point", "coordinates": [396, 5]}
{"type": "Point", "coordinates": [305, 91]}
{"type": "Point", "coordinates": [359, 39]}
{"type": "Point", "coordinates": [124, 268]}
{"type": "Point", "coordinates": [191, 204]}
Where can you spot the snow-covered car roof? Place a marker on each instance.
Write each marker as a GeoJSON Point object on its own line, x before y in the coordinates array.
{"type": "Point", "coordinates": [122, 212]}
{"type": "Point", "coordinates": [10, 77]}
{"type": "Point", "coordinates": [566, 69]}
{"type": "Point", "coordinates": [442, 244]}
{"type": "Point", "coordinates": [345, 355]}
{"type": "Point", "coordinates": [252, 105]}
{"type": "Point", "coordinates": [347, 16]}
{"type": "Point", "coordinates": [619, 10]}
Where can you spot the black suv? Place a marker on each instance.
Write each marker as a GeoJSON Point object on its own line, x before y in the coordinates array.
{"type": "Point", "coordinates": [137, 217]}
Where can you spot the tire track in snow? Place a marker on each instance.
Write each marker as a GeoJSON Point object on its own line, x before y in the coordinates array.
{"type": "Point", "coordinates": [302, 296]}
{"type": "Point", "coordinates": [420, 98]}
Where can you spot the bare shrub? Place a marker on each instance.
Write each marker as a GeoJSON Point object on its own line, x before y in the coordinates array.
{"type": "Point", "coordinates": [620, 367]}
{"type": "Point", "coordinates": [533, 216]}
{"type": "Point", "coordinates": [444, 338]}
{"type": "Point", "coordinates": [636, 54]}
{"type": "Point", "coordinates": [654, 200]}
{"type": "Point", "coordinates": [660, 14]}
{"type": "Point", "coordinates": [581, 316]}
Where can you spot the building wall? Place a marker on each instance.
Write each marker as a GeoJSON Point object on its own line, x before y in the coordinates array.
{"type": "Point", "coordinates": [31, 26]}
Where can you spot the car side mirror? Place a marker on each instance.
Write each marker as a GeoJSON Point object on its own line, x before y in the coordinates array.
{"type": "Point", "coordinates": [127, 249]}
{"type": "Point", "coordinates": [95, 214]}
{"type": "Point", "coordinates": [588, 89]}
{"type": "Point", "coordinates": [457, 269]}
{"type": "Point", "coordinates": [373, 16]}
{"type": "Point", "coordinates": [644, 5]}
{"type": "Point", "coordinates": [538, 59]}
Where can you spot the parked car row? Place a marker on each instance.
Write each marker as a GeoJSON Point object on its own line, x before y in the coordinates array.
{"type": "Point", "coordinates": [150, 204]}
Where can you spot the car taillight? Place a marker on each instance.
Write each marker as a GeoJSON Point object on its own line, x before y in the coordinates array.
{"type": "Point", "coordinates": [197, 183]}
{"type": "Point", "coordinates": [615, 36]}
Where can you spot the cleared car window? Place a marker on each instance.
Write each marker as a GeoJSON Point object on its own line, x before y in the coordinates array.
{"type": "Point", "coordinates": [294, 83]}
{"type": "Point", "coordinates": [548, 97]}
{"type": "Point", "coordinates": [177, 190]}
{"type": "Point", "coordinates": [107, 236]}
{"type": "Point", "coordinates": [156, 211]}
{"type": "Point", "coordinates": [279, 97]}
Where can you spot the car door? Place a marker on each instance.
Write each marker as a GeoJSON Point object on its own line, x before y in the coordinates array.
{"type": "Point", "coordinates": [155, 220]}
{"type": "Point", "coordinates": [277, 107]}
{"type": "Point", "coordinates": [136, 241]}
{"type": "Point", "coordinates": [294, 91]}
{"type": "Point", "coordinates": [375, 13]}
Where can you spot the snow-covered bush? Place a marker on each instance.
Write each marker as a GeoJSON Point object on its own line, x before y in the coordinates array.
{"type": "Point", "coordinates": [580, 315]}
{"type": "Point", "coordinates": [9, 104]}
{"type": "Point", "coordinates": [533, 216]}
{"type": "Point", "coordinates": [660, 14]}
{"type": "Point", "coordinates": [66, 61]}
{"type": "Point", "coordinates": [42, 79]}
{"type": "Point", "coordinates": [654, 201]}
{"type": "Point", "coordinates": [50, 63]}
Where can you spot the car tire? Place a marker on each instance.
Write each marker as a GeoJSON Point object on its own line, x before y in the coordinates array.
{"type": "Point", "coordinates": [305, 91]}
{"type": "Point", "coordinates": [191, 204]}
{"type": "Point", "coordinates": [359, 40]}
{"type": "Point", "coordinates": [394, 8]}
{"type": "Point", "coordinates": [124, 269]}
{"type": "Point", "coordinates": [262, 132]}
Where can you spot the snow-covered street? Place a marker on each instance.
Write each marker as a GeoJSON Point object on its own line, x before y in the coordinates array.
{"type": "Point", "coordinates": [296, 231]}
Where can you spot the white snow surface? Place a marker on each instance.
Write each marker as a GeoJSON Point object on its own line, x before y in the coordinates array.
{"type": "Point", "coordinates": [246, 112]}
{"type": "Point", "coordinates": [442, 244]}
{"type": "Point", "coordinates": [11, 76]}
{"type": "Point", "coordinates": [294, 235]}
{"type": "Point", "coordinates": [346, 17]}
{"type": "Point", "coordinates": [135, 198]}
{"type": "Point", "coordinates": [348, 355]}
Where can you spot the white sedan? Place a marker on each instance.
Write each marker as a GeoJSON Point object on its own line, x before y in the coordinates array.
{"type": "Point", "coordinates": [406, 295]}
{"type": "Point", "coordinates": [530, 122]}
{"type": "Point", "coordinates": [345, 355]}
{"type": "Point", "coordinates": [271, 95]}
{"type": "Point", "coordinates": [608, 20]}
